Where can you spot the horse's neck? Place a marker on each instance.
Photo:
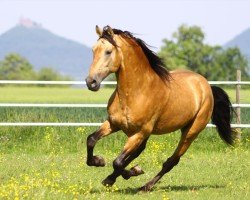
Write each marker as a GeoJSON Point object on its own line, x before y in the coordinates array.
{"type": "Point", "coordinates": [135, 75]}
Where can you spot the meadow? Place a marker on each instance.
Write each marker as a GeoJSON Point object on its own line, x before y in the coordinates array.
{"type": "Point", "coordinates": [49, 162]}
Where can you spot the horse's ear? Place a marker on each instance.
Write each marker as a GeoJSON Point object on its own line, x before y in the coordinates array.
{"type": "Point", "coordinates": [98, 31]}
{"type": "Point", "coordinates": [110, 31]}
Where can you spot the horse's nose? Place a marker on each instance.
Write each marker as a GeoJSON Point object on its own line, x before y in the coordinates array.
{"type": "Point", "coordinates": [92, 84]}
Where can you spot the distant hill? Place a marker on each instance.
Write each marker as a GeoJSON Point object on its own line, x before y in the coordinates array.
{"type": "Point", "coordinates": [43, 48]}
{"type": "Point", "coordinates": [242, 41]}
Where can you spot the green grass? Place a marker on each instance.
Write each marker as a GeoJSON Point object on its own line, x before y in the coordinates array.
{"type": "Point", "coordinates": [29, 94]}
{"type": "Point", "coordinates": [49, 162]}
{"type": "Point", "coordinates": [53, 95]}
{"type": "Point", "coordinates": [244, 95]}
{"type": "Point", "coordinates": [68, 95]}
{"type": "Point", "coordinates": [56, 169]}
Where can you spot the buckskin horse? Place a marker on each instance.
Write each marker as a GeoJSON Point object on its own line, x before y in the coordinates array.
{"type": "Point", "coordinates": [149, 99]}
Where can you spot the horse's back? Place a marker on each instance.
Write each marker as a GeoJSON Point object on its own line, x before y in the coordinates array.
{"type": "Point", "coordinates": [189, 93]}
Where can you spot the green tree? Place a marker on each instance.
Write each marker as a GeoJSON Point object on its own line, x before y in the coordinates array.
{"type": "Point", "coordinates": [188, 50]}
{"type": "Point", "coordinates": [228, 61]}
{"type": "Point", "coordinates": [16, 67]}
{"type": "Point", "coordinates": [48, 74]}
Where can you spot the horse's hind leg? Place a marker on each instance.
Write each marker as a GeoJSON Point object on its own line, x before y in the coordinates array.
{"type": "Point", "coordinates": [92, 139]}
{"type": "Point", "coordinates": [189, 133]}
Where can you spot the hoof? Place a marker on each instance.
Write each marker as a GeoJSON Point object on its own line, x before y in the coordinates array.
{"type": "Point", "coordinates": [108, 182]}
{"type": "Point", "coordinates": [145, 188]}
{"type": "Point", "coordinates": [136, 171]}
{"type": "Point", "coordinates": [97, 161]}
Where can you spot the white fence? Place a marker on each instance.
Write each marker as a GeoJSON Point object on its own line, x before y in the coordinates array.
{"type": "Point", "coordinates": [237, 105]}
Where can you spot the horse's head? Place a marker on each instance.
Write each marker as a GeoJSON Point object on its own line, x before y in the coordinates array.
{"type": "Point", "coordinates": [106, 59]}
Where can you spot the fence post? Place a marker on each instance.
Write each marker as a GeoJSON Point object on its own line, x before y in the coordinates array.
{"type": "Point", "coordinates": [238, 111]}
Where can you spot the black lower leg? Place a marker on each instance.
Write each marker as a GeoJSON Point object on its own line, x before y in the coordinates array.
{"type": "Point", "coordinates": [134, 171]}
{"type": "Point", "coordinates": [167, 166]}
{"type": "Point", "coordinates": [118, 168]}
{"type": "Point", "coordinates": [120, 164]}
{"type": "Point", "coordinates": [123, 161]}
{"type": "Point", "coordinates": [187, 137]}
{"type": "Point", "coordinates": [91, 159]}
{"type": "Point", "coordinates": [170, 163]}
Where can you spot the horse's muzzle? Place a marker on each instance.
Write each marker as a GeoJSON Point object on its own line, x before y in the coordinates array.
{"type": "Point", "coordinates": [92, 84]}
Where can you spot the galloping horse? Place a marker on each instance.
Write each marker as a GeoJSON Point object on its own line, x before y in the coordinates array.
{"type": "Point", "coordinates": [149, 99]}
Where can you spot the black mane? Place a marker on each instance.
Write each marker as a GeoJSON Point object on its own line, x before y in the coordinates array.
{"type": "Point", "coordinates": [155, 61]}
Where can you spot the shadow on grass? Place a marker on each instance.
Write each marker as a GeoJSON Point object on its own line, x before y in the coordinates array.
{"type": "Point", "coordinates": [188, 187]}
{"type": "Point", "coordinates": [132, 191]}
{"type": "Point", "coordinates": [128, 190]}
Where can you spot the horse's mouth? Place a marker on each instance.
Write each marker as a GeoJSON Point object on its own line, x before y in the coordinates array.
{"type": "Point", "coordinates": [94, 87]}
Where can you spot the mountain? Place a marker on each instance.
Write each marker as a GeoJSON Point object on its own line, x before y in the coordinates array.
{"type": "Point", "coordinates": [242, 41]}
{"type": "Point", "coordinates": [43, 48]}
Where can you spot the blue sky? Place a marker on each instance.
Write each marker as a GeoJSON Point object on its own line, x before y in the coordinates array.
{"type": "Point", "coordinates": [152, 20]}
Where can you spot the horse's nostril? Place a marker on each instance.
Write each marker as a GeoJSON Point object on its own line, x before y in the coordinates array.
{"type": "Point", "coordinates": [90, 80]}
{"type": "Point", "coordinates": [93, 83]}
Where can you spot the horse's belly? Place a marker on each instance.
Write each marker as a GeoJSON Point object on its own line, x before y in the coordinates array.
{"type": "Point", "coordinates": [175, 118]}
{"type": "Point", "coordinates": [170, 125]}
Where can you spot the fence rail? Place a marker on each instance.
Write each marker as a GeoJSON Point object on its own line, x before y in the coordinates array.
{"type": "Point", "coordinates": [52, 82]}
{"type": "Point", "coordinates": [104, 82]}
{"type": "Point", "coordinates": [54, 105]}
{"type": "Point", "coordinates": [86, 124]}
{"type": "Point", "coordinates": [237, 105]}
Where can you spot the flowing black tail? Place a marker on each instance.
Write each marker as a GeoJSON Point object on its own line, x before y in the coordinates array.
{"type": "Point", "coordinates": [222, 114]}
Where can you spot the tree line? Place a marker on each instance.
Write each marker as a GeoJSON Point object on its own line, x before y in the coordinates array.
{"type": "Point", "coordinates": [188, 50]}
{"type": "Point", "coordinates": [16, 67]}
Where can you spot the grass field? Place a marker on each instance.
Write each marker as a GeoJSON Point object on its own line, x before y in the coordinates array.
{"type": "Point", "coordinates": [74, 95]}
{"type": "Point", "coordinates": [49, 162]}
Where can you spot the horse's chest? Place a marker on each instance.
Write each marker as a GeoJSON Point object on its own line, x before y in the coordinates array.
{"type": "Point", "coordinates": [118, 117]}
{"type": "Point", "coordinates": [127, 116]}
{"type": "Point", "coordinates": [123, 118]}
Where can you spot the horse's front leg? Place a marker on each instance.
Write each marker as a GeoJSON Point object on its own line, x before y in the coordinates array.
{"type": "Point", "coordinates": [105, 129]}
{"type": "Point", "coordinates": [132, 149]}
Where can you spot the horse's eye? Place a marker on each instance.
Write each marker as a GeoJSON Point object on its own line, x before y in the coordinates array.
{"type": "Point", "coordinates": [108, 52]}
